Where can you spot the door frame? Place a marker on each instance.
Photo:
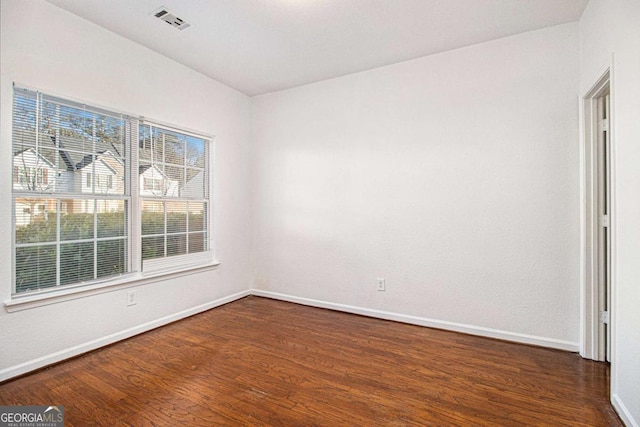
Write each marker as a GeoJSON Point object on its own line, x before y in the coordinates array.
{"type": "Point", "coordinates": [594, 345]}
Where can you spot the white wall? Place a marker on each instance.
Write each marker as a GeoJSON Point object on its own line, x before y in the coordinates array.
{"type": "Point", "coordinates": [612, 27]}
{"type": "Point", "coordinates": [453, 176]}
{"type": "Point", "coordinates": [51, 50]}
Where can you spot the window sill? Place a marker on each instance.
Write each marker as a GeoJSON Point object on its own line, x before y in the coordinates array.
{"type": "Point", "coordinates": [26, 302]}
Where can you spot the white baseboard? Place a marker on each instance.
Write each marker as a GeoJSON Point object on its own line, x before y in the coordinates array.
{"type": "Point", "coordinates": [623, 412]}
{"type": "Point", "coordinates": [23, 368]}
{"type": "Point", "coordinates": [422, 321]}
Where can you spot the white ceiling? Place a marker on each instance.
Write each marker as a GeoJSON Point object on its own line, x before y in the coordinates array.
{"type": "Point", "coordinates": [259, 46]}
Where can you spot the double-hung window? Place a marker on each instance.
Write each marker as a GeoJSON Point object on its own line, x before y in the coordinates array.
{"type": "Point", "coordinates": [99, 195]}
{"type": "Point", "coordinates": [173, 196]}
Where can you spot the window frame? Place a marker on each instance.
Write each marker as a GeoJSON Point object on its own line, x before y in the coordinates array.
{"type": "Point", "coordinates": [136, 272]}
{"type": "Point", "coordinates": [171, 263]}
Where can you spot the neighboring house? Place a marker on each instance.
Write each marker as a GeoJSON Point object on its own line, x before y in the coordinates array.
{"type": "Point", "coordinates": [195, 183]}
{"type": "Point", "coordinates": [153, 182]}
{"type": "Point", "coordinates": [32, 172]}
{"type": "Point", "coordinates": [57, 169]}
{"type": "Point", "coordinates": [104, 175]}
{"type": "Point", "coordinates": [64, 172]}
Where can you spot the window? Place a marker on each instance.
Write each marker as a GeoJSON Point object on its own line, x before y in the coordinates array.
{"type": "Point", "coordinates": [153, 184]}
{"type": "Point", "coordinates": [103, 182]}
{"type": "Point", "coordinates": [31, 177]}
{"type": "Point", "coordinates": [78, 173]}
{"type": "Point", "coordinates": [174, 195]}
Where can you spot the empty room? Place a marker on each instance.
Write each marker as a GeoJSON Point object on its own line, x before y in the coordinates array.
{"type": "Point", "coordinates": [320, 212]}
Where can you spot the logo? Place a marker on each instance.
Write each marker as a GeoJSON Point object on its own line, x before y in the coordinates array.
{"type": "Point", "coordinates": [31, 416]}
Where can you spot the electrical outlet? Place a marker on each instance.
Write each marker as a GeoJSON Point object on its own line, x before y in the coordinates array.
{"type": "Point", "coordinates": [131, 298]}
{"type": "Point", "coordinates": [382, 286]}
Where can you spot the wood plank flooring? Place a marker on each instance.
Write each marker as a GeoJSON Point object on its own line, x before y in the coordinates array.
{"type": "Point", "coordinates": [259, 362]}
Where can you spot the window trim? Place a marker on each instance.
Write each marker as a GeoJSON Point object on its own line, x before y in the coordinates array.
{"type": "Point", "coordinates": [205, 260]}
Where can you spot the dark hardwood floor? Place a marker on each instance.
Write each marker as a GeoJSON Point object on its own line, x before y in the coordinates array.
{"type": "Point", "coordinates": [259, 362]}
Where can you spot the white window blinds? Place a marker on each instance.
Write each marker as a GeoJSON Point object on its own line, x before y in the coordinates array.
{"type": "Point", "coordinates": [97, 193]}
{"type": "Point", "coordinates": [174, 193]}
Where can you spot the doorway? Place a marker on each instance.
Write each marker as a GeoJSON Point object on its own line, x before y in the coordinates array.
{"type": "Point", "coordinates": [598, 220]}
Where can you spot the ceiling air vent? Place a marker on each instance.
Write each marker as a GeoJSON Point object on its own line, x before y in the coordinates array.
{"type": "Point", "coordinates": [170, 18]}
